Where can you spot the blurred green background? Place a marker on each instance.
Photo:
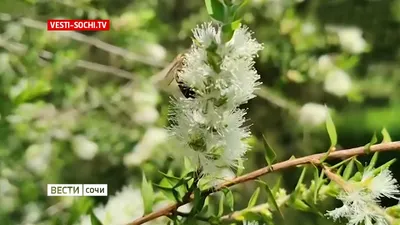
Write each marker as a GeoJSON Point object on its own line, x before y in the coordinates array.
{"type": "Point", "coordinates": [81, 107]}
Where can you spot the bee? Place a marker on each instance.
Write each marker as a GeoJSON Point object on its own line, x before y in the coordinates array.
{"type": "Point", "coordinates": [172, 74]}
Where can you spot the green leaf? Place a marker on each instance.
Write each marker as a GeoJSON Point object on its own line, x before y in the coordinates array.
{"type": "Point", "coordinates": [277, 185]}
{"type": "Point", "coordinates": [240, 168]}
{"type": "Point", "coordinates": [147, 195]}
{"type": "Point", "coordinates": [237, 11]}
{"type": "Point", "coordinates": [221, 206]}
{"type": "Point", "coordinates": [373, 161]}
{"type": "Point", "coordinates": [253, 199]}
{"type": "Point", "coordinates": [271, 198]}
{"type": "Point", "coordinates": [301, 205]}
{"type": "Point", "coordinates": [198, 203]}
{"type": "Point", "coordinates": [373, 141]}
{"type": "Point", "coordinates": [300, 181]}
{"type": "Point", "coordinates": [229, 29]}
{"type": "Point", "coordinates": [94, 220]}
{"type": "Point", "coordinates": [172, 177]}
{"type": "Point", "coordinates": [216, 10]}
{"type": "Point", "coordinates": [359, 165]}
{"type": "Point", "coordinates": [384, 166]}
{"type": "Point", "coordinates": [270, 154]}
{"type": "Point", "coordinates": [386, 136]}
{"type": "Point", "coordinates": [341, 163]}
{"type": "Point", "coordinates": [349, 170]}
{"type": "Point", "coordinates": [330, 127]}
{"type": "Point", "coordinates": [229, 197]}
{"type": "Point", "coordinates": [318, 184]}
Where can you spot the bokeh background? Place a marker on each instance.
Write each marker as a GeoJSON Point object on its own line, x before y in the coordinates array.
{"type": "Point", "coordinates": [82, 108]}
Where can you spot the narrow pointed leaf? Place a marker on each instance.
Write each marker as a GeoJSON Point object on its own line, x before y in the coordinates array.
{"type": "Point", "coordinates": [277, 185]}
{"type": "Point", "coordinates": [229, 197]}
{"type": "Point", "coordinates": [330, 127]}
{"type": "Point", "coordinates": [349, 170]}
{"type": "Point", "coordinates": [374, 158]}
{"type": "Point", "coordinates": [359, 165]}
{"type": "Point", "coordinates": [216, 9]}
{"type": "Point", "coordinates": [253, 199]}
{"type": "Point", "coordinates": [373, 141]}
{"type": "Point", "coordinates": [300, 181]}
{"type": "Point", "coordinates": [270, 154]}
{"type": "Point", "coordinates": [170, 176]}
{"type": "Point", "coordinates": [147, 195]}
{"type": "Point", "coordinates": [271, 197]}
{"type": "Point", "coordinates": [221, 206]}
{"type": "Point", "coordinates": [386, 136]}
{"type": "Point", "coordinates": [94, 220]}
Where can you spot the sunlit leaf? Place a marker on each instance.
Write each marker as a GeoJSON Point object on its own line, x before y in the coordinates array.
{"type": "Point", "coordinates": [253, 199]}
{"type": "Point", "coordinates": [147, 195]}
{"type": "Point", "coordinates": [215, 9]}
{"type": "Point", "coordinates": [386, 136]}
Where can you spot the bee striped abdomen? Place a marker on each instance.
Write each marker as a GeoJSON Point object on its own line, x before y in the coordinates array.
{"type": "Point", "coordinates": [186, 91]}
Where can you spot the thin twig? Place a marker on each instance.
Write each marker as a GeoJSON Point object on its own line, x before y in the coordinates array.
{"type": "Point", "coordinates": [27, 22]}
{"type": "Point", "coordinates": [342, 154]}
{"type": "Point", "coordinates": [21, 49]}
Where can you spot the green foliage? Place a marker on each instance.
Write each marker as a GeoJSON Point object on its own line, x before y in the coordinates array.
{"type": "Point", "coordinates": [148, 195]}
{"type": "Point", "coordinates": [94, 220]}
{"type": "Point", "coordinates": [270, 155]}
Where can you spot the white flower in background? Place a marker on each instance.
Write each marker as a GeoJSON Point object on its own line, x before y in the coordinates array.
{"type": "Point", "coordinates": [32, 213]}
{"type": "Point", "coordinates": [361, 199]}
{"type": "Point", "coordinates": [84, 148]}
{"type": "Point", "coordinates": [146, 115]}
{"type": "Point", "coordinates": [156, 51]}
{"type": "Point", "coordinates": [209, 126]}
{"type": "Point", "coordinates": [145, 99]}
{"type": "Point", "coordinates": [122, 208]}
{"type": "Point", "coordinates": [144, 149]}
{"type": "Point", "coordinates": [351, 39]}
{"type": "Point", "coordinates": [313, 114]}
{"type": "Point", "coordinates": [308, 28]}
{"type": "Point", "coordinates": [337, 82]}
{"type": "Point", "coordinates": [8, 195]}
{"type": "Point", "coordinates": [325, 64]}
{"type": "Point", "coordinates": [37, 157]}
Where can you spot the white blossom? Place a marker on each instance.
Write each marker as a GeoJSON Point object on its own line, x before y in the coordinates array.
{"type": "Point", "coordinates": [313, 114]}
{"type": "Point", "coordinates": [146, 146]}
{"type": "Point", "coordinates": [156, 51]}
{"type": "Point", "coordinates": [351, 40]}
{"type": "Point", "coordinates": [146, 115]}
{"type": "Point", "coordinates": [308, 28]}
{"type": "Point", "coordinates": [209, 127]}
{"type": "Point", "coordinates": [84, 148]}
{"type": "Point", "coordinates": [8, 195]}
{"type": "Point", "coordinates": [124, 207]}
{"type": "Point", "coordinates": [337, 82]}
{"type": "Point", "coordinates": [325, 64]}
{"type": "Point", "coordinates": [361, 199]}
{"type": "Point", "coordinates": [37, 157]}
{"type": "Point", "coordinates": [32, 213]}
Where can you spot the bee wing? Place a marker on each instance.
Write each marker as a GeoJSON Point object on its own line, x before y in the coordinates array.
{"type": "Point", "coordinates": [165, 78]}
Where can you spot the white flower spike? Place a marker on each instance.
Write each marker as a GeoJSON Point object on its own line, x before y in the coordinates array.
{"type": "Point", "coordinates": [361, 199]}
{"type": "Point", "coordinates": [209, 128]}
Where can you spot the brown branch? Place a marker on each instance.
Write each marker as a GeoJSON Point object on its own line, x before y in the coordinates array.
{"type": "Point", "coordinates": [21, 49]}
{"type": "Point", "coordinates": [342, 154]}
